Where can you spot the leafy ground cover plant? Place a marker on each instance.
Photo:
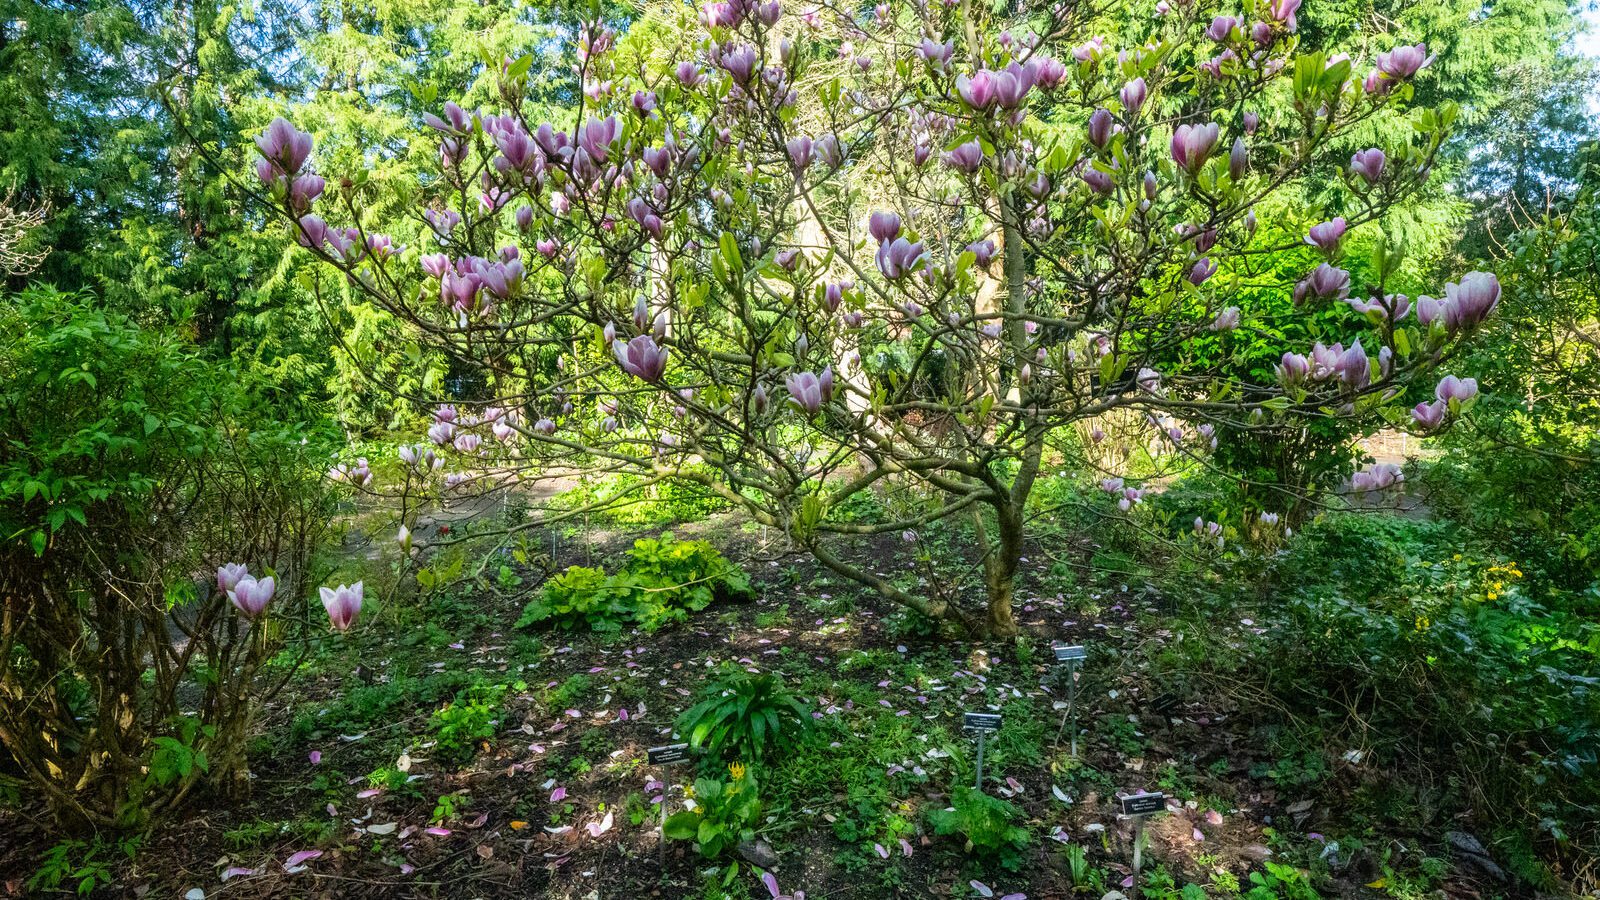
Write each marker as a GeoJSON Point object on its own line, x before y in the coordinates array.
{"type": "Point", "coordinates": [663, 581]}
{"type": "Point", "coordinates": [742, 716]}
{"type": "Point", "coordinates": [471, 717]}
{"type": "Point", "coordinates": [988, 825]}
{"type": "Point", "coordinates": [725, 813]}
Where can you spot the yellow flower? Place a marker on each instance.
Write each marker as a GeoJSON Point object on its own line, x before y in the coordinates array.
{"type": "Point", "coordinates": [736, 770]}
{"type": "Point", "coordinates": [1494, 596]}
{"type": "Point", "coordinates": [1423, 624]}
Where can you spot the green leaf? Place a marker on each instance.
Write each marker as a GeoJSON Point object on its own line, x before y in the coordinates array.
{"type": "Point", "coordinates": [730, 252]}
{"type": "Point", "coordinates": [682, 826]}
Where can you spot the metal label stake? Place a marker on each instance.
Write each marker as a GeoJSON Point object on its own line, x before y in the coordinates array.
{"type": "Point", "coordinates": [668, 755]}
{"type": "Point", "coordinates": [1138, 807]}
{"type": "Point", "coordinates": [1072, 656]}
{"type": "Point", "coordinates": [983, 724]}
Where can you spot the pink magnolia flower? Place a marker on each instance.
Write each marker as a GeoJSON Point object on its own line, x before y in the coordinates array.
{"type": "Point", "coordinates": [966, 158]}
{"type": "Point", "coordinates": [641, 358]}
{"type": "Point", "coordinates": [883, 226]}
{"type": "Point", "coordinates": [459, 121]}
{"type": "Point", "coordinates": [1429, 416]}
{"type": "Point", "coordinates": [1403, 62]}
{"type": "Point", "coordinates": [900, 258]}
{"type": "Point", "coordinates": [343, 605]}
{"type": "Point", "coordinates": [1101, 127]}
{"type": "Point", "coordinates": [252, 596]}
{"type": "Point", "coordinates": [1012, 85]}
{"type": "Point", "coordinates": [1133, 95]}
{"type": "Point", "coordinates": [799, 149]}
{"type": "Point", "coordinates": [1472, 299]}
{"type": "Point", "coordinates": [689, 74]}
{"type": "Point", "coordinates": [1377, 477]}
{"type": "Point", "coordinates": [1283, 11]}
{"type": "Point", "coordinates": [595, 137]}
{"type": "Point", "coordinates": [1327, 235]}
{"type": "Point", "coordinates": [1430, 310]}
{"type": "Point", "coordinates": [1458, 390]}
{"type": "Point", "coordinates": [937, 56]}
{"type": "Point", "coordinates": [228, 576]}
{"type": "Point", "coordinates": [978, 90]}
{"type": "Point", "coordinates": [805, 391]}
{"type": "Point", "coordinates": [1202, 270]}
{"type": "Point", "coordinates": [1192, 145]}
{"type": "Point", "coordinates": [1227, 320]}
{"type": "Point", "coordinates": [1221, 27]}
{"type": "Point", "coordinates": [1293, 369]}
{"type": "Point", "coordinates": [1368, 164]}
{"type": "Point", "coordinates": [1324, 282]}
{"type": "Point", "coordinates": [1354, 368]}
{"type": "Point", "coordinates": [741, 62]}
{"type": "Point", "coordinates": [284, 147]}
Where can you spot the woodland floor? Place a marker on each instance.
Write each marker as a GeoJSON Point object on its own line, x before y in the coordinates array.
{"type": "Point", "coordinates": [894, 702]}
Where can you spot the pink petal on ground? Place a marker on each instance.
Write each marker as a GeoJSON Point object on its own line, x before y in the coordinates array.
{"type": "Point", "coordinates": [771, 883]}
{"type": "Point", "coordinates": [436, 831]}
{"type": "Point", "coordinates": [881, 850]}
{"type": "Point", "coordinates": [598, 828]}
{"type": "Point", "coordinates": [302, 856]}
{"type": "Point", "coordinates": [905, 847]}
{"type": "Point", "coordinates": [235, 872]}
{"type": "Point", "coordinates": [369, 792]}
{"type": "Point", "coordinates": [983, 889]}
{"type": "Point", "coordinates": [316, 757]}
{"type": "Point", "coordinates": [558, 795]}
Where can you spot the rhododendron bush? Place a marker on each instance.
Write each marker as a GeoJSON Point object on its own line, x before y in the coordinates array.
{"type": "Point", "coordinates": [793, 253]}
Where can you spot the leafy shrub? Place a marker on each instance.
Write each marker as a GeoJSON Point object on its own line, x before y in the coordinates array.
{"type": "Point", "coordinates": [740, 714]}
{"type": "Point", "coordinates": [132, 469]}
{"type": "Point", "coordinates": [1439, 651]}
{"type": "Point", "coordinates": [662, 582]}
{"type": "Point", "coordinates": [585, 597]}
{"type": "Point", "coordinates": [988, 824]}
{"type": "Point", "coordinates": [724, 814]}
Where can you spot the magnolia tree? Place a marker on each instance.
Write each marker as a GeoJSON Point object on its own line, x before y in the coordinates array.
{"type": "Point", "coordinates": [795, 257]}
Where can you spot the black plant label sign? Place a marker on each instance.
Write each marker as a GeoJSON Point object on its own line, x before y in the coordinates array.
{"type": "Point", "coordinates": [1143, 804]}
{"type": "Point", "coordinates": [668, 755]}
{"type": "Point", "coordinates": [1076, 651]}
{"type": "Point", "coordinates": [981, 721]}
